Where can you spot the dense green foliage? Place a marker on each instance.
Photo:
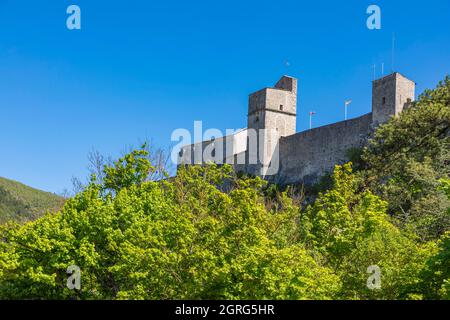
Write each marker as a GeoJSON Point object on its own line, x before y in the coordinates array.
{"type": "Point", "coordinates": [436, 277]}
{"type": "Point", "coordinates": [406, 159]}
{"type": "Point", "coordinates": [182, 238]}
{"type": "Point", "coordinates": [208, 234]}
{"type": "Point", "coordinates": [22, 203]}
{"type": "Point", "coordinates": [185, 238]}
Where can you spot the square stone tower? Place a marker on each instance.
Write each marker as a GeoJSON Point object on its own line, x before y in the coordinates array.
{"type": "Point", "coordinates": [272, 113]}
{"type": "Point", "coordinates": [390, 95]}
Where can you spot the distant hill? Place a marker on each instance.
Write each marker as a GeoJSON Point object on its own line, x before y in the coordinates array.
{"type": "Point", "coordinates": [21, 203]}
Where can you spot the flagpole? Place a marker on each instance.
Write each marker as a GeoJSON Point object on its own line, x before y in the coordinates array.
{"type": "Point", "coordinates": [347, 102]}
{"type": "Point", "coordinates": [311, 113]}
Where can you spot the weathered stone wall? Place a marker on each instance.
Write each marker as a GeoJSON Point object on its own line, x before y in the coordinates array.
{"type": "Point", "coordinates": [272, 113]}
{"type": "Point", "coordinates": [406, 92]}
{"type": "Point", "coordinates": [390, 95]}
{"type": "Point", "coordinates": [306, 156]}
{"type": "Point", "coordinates": [289, 157]}
{"type": "Point", "coordinates": [228, 149]}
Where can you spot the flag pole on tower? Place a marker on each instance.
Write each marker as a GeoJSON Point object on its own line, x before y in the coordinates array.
{"type": "Point", "coordinates": [311, 113]}
{"type": "Point", "coordinates": [346, 105]}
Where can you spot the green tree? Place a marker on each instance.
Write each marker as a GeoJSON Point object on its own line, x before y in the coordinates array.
{"type": "Point", "coordinates": [435, 277]}
{"type": "Point", "coordinates": [435, 282]}
{"type": "Point", "coordinates": [350, 229]}
{"type": "Point", "coordinates": [406, 159]}
{"type": "Point", "coordinates": [173, 239]}
{"type": "Point", "coordinates": [208, 234]}
{"type": "Point", "coordinates": [132, 169]}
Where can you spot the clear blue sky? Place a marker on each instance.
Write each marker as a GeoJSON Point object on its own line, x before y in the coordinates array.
{"type": "Point", "coordinates": [140, 69]}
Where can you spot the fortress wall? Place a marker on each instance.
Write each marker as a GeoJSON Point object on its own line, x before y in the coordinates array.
{"type": "Point", "coordinates": [302, 157]}
{"type": "Point", "coordinates": [202, 152]}
{"type": "Point", "coordinates": [306, 156]}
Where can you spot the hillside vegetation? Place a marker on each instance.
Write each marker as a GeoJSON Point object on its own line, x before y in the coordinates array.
{"type": "Point", "coordinates": [380, 230]}
{"type": "Point", "coordinates": [21, 203]}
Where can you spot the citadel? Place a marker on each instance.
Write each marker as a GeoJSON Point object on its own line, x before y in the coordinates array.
{"type": "Point", "coordinates": [271, 148]}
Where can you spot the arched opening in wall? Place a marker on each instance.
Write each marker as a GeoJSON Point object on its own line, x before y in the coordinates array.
{"type": "Point", "coordinates": [383, 101]}
{"type": "Point", "coordinates": [281, 107]}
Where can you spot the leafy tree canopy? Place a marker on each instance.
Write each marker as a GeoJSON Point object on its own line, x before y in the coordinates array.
{"type": "Point", "coordinates": [190, 237]}
{"type": "Point", "coordinates": [407, 158]}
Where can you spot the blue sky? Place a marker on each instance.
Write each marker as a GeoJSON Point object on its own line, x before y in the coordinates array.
{"type": "Point", "coordinates": [140, 69]}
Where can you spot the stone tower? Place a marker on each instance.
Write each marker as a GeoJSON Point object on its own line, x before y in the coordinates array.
{"type": "Point", "coordinates": [271, 148]}
{"type": "Point", "coordinates": [390, 95]}
{"type": "Point", "coordinates": [272, 113]}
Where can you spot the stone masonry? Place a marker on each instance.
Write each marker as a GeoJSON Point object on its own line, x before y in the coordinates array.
{"type": "Point", "coordinates": [271, 148]}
